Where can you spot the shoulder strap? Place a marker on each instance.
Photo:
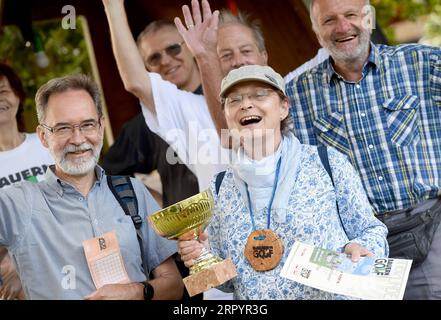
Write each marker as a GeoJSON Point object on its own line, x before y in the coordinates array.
{"type": "Point", "coordinates": [122, 189]}
{"type": "Point", "coordinates": [323, 154]}
{"type": "Point", "coordinates": [220, 176]}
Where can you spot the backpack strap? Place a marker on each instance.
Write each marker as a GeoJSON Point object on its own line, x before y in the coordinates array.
{"type": "Point", "coordinates": [122, 189]}
{"type": "Point", "coordinates": [323, 154]}
{"type": "Point", "coordinates": [220, 176]}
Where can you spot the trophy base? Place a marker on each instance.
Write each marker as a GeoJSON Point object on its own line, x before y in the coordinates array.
{"type": "Point", "coordinates": [210, 278]}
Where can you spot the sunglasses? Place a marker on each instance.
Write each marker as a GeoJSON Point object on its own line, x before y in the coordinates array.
{"type": "Point", "coordinates": [172, 51]}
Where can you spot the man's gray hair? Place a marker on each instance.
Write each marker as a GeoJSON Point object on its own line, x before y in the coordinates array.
{"type": "Point", "coordinates": [63, 84]}
{"type": "Point", "coordinates": [245, 19]}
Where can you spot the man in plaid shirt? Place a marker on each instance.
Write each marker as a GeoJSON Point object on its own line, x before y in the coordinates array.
{"type": "Point", "coordinates": [381, 106]}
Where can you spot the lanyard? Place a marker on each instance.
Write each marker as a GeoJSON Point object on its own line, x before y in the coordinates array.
{"type": "Point", "coordinates": [276, 179]}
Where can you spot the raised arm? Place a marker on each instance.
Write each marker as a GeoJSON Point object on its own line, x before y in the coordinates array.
{"type": "Point", "coordinates": [130, 64]}
{"type": "Point", "coordinates": [200, 35]}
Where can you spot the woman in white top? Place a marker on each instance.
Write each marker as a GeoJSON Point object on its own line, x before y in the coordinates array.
{"type": "Point", "coordinates": [277, 191]}
{"type": "Point", "coordinates": [22, 157]}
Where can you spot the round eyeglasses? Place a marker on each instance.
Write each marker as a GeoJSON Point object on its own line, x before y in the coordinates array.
{"type": "Point", "coordinates": [173, 50]}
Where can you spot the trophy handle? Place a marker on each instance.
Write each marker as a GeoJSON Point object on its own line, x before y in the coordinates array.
{"type": "Point", "coordinates": [208, 271]}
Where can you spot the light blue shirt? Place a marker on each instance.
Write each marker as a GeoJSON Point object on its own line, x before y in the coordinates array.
{"type": "Point", "coordinates": [44, 225]}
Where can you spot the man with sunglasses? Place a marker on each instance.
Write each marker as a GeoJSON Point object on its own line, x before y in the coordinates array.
{"type": "Point", "coordinates": [181, 118]}
{"type": "Point", "coordinates": [45, 225]}
{"type": "Point", "coordinates": [164, 52]}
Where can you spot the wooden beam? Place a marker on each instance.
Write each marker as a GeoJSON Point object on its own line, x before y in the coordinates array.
{"type": "Point", "coordinates": [409, 31]}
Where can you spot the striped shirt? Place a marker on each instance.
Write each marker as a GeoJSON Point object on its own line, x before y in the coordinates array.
{"type": "Point", "coordinates": [388, 123]}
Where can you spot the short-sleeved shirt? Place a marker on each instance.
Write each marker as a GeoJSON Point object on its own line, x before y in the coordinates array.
{"type": "Point", "coordinates": [26, 162]}
{"type": "Point", "coordinates": [44, 225]}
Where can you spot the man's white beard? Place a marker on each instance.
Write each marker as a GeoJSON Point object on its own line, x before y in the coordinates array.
{"type": "Point", "coordinates": [79, 166]}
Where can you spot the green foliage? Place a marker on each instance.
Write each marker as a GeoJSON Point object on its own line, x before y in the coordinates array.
{"type": "Point", "coordinates": [66, 50]}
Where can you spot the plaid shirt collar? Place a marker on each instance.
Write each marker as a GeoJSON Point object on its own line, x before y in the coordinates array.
{"type": "Point", "coordinates": [373, 60]}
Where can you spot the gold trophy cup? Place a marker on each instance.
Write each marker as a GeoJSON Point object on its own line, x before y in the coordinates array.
{"type": "Point", "coordinates": [184, 221]}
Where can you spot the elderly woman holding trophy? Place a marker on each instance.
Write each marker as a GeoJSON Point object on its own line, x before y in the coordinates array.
{"type": "Point", "coordinates": [275, 192]}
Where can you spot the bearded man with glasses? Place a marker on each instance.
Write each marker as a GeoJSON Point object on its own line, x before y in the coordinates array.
{"type": "Point", "coordinates": [163, 90]}
{"type": "Point", "coordinates": [44, 225]}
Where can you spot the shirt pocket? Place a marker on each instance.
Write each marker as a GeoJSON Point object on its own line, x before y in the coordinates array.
{"type": "Point", "coordinates": [435, 79]}
{"type": "Point", "coordinates": [403, 120]}
{"type": "Point", "coordinates": [330, 130]}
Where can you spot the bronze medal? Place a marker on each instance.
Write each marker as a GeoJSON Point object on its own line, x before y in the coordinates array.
{"type": "Point", "coordinates": [263, 250]}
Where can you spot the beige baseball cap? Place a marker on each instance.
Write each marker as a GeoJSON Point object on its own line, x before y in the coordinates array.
{"type": "Point", "coordinates": [252, 73]}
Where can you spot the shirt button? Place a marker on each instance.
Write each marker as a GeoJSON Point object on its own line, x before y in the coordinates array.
{"type": "Point", "coordinates": [363, 114]}
{"type": "Point", "coordinates": [80, 198]}
{"type": "Point", "coordinates": [380, 178]}
{"type": "Point", "coordinates": [357, 86]}
{"type": "Point", "coordinates": [371, 146]}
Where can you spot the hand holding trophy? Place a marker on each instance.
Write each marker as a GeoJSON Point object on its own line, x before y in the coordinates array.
{"type": "Point", "coordinates": [185, 220]}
